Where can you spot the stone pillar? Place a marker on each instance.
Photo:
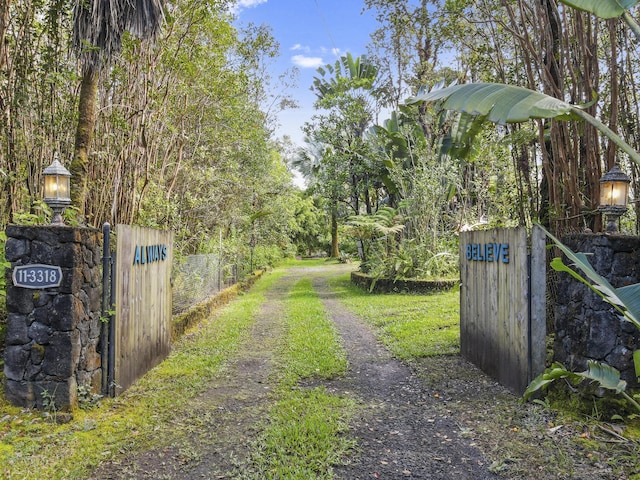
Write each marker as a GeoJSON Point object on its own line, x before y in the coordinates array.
{"type": "Point", "coordinates": [587, 327]}
{"type": "Point", "coordinates": [52, 345]}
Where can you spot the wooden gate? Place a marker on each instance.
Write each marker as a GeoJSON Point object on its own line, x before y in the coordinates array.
{"type": "Point", "coordinates": [142, 324]}
{"type": "Point", "coordinates": [502, 304]}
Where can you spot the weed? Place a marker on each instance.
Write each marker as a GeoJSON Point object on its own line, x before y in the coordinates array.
{"type": "Point", "coordinates": [87, 399]}
{"type": "Point", "coordinates": [49, 402]}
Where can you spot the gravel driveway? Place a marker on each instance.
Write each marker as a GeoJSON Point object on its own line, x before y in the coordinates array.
{"type": "Point", "coordinates": [436, 418]}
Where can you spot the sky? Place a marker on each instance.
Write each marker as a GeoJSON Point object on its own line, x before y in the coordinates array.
{"type": "Point", "coordinates": [311, 33]}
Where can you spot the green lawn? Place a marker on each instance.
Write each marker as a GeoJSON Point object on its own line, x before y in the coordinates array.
{"type": "Point", "coordinates": [410, 325]}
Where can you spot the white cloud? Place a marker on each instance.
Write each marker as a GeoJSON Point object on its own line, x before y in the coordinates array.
{"type": "Point", "coordinates": [244, 4]}
{"type": "Point", "coordinates": [302, 48]}
{"type": "Point", "coordinates": [250, 3]}
{"type": "Point", "coordinates": [336, 52]}
{"type": "Point", "coordinates": [307, 62]}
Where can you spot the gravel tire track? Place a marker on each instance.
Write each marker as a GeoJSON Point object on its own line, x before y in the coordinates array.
{"type": "Point", "coordinates": [400, 435]}
{"type": "Point", "coordinates": [224, 420]}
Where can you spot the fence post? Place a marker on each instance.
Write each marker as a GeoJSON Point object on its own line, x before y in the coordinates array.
{"type": "Point", "coordinates": [105, 317]}
{"type": "Point", "coordinates": [112, 329]}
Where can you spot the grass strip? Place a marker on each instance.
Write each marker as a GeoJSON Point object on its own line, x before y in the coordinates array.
{"type": "Point", "coordinates": [33, 447]}
{"type": "Point", "coordinates": [313, 347]}
{"type": "Point", "coordinates": [304, 435]}
{"type": "Point", "coordinates": [411, 326]}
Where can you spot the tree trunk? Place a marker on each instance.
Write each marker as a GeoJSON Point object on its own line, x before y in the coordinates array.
{"type": "Point", "coordinates": [335, 252]}
{"type": "Point", "coordinates": [4, 106]}
{"type": "Point", "coordinates": [86, 121]}
{"type": "Point", "coordinates": [4, 26]}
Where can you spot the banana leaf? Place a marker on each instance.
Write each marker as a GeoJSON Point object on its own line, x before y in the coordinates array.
{"type": "Point", "coordinates": [625, 299]}
{"type": "Point", "coordinates": [604, 375]}
{"type": "Point", "coordinates": [499, 103]}
{"type": "Point", "coordinates": [551, 374]}
{"type": "Point", "coordinates": [602, 8]}
{"type": "Point", "coordinates": [503, 104]}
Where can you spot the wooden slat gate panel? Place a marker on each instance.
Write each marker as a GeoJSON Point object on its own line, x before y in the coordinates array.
{"type": "Point", "coordinates": [143, 302]}
{"type": "Point", "coordinates": [502, 304]}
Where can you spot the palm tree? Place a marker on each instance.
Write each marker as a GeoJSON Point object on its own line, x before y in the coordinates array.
{"type": "Point", "coordinates": [97, 38]}
{"type": "Point", "coordinates": [348, 92]}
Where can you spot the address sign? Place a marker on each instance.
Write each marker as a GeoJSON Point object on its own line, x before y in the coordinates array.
{"type": "Point", "coordinates": [37, 276]}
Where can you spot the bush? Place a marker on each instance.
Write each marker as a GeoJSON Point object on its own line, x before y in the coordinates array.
{"type": "Point", "coordinates": [411, 260]}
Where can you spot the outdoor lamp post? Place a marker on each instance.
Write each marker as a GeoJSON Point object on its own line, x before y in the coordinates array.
{"type": "Point", "coordinates": [57, 181]}
{"type": "Point", "coordinates": [614, 190]}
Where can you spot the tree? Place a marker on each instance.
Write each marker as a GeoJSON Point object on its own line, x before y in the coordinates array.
{"type": "Point", "coordinates": [318, 164]}
{"type": "Point", "coordinates": [608, 9]}
{"type": "Point", "coordinates": [308, 225]}
{"type": "Point", "coordinates": [99, 26]}
{"type": "Point", "coordinates": [406, 47]}
{"type": "Point", "coordinates": [346, 92]}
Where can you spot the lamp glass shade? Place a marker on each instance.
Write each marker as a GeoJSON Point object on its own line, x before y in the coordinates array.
{"type": "Point", "coordinates": [614, 193]}
{"type": "Point", "coordinates": [57, 181]}
{"type": "Point", "coordinates": [56, 186]}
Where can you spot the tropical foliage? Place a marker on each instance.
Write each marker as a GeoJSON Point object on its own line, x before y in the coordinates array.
{"type": "Point", "coordinates": [445, 172]}
{"type": "Point", "coordinates": [183, 128]}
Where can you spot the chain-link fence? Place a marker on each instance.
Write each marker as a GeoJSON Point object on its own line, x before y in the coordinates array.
{"type": "Point", "coordinates": [198, 277]}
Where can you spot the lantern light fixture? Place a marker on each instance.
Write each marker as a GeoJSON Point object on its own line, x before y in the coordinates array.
{"type": "Point", "coordinates": [614, 193]}
{"type": "Point", "coordinates": [57, 180]}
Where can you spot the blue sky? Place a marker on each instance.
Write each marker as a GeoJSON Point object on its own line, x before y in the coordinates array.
{"type": "Point", "coordinates": [311, 33]}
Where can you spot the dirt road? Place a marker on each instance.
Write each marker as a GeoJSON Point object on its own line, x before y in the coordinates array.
{"type": "Point", "coordinates": [438, 418]}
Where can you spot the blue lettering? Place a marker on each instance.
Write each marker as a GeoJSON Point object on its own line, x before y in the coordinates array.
{"type": "Point", "coordinates": [150, 253]}
{"type": "Point", "coordinates": [496, 251]}
{"type": "Point", "coordinates": [488, 252]}
{"type": "Point", "coordinates": [480, 252]}
{"type": "Point", "coordinates": [505, 253]}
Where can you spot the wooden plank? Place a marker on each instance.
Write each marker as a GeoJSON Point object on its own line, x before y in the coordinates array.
{"type": "Point", "coordinates": [538, 314]}
{"type": "Point", "coordinates": [143, 301]}
{"type": "Point", "coordinates": [515, 361]}
{"type": "Point", "coordinates": [494, 305]}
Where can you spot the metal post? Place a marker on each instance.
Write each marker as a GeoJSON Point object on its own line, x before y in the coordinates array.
{"type": "Point", "coordinates": [112, 330]}
{"type": "Point", "coordinates": [220, 258]}
{"type": "Point", "coordinates": [104, 327]}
